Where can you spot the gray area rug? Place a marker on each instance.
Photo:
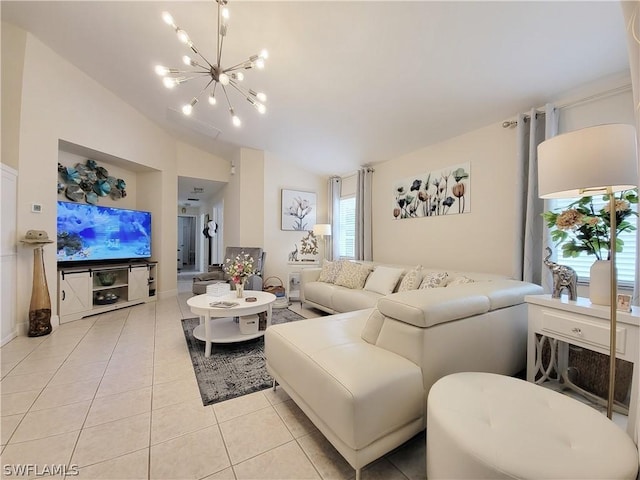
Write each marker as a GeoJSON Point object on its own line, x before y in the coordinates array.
{"type": "Point", "coordinates": [233, 369]}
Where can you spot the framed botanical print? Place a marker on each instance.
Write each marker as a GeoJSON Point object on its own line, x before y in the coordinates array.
{"type": "Point", "coordinates": [298, 210]}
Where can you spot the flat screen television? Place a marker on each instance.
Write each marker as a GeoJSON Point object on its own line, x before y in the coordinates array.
{"type": "Point", "coordinates": [89, 233]}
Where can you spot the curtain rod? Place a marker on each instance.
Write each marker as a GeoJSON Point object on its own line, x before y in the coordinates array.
{"type": "Point", "coordinates": [574, 103]}
{"type": "Point", "coordinates": [596, 96]}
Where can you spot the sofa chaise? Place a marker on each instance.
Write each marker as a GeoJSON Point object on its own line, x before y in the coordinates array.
{"type": "Point", "coordinates": [362, 377]}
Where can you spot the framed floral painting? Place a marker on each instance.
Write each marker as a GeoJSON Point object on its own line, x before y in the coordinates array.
{"type": "Point", "coordinates": [437, 193]}
{"type": "Point", "coordinates": [298, 210]}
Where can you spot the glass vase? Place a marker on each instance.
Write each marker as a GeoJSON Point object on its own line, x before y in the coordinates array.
{"type": "Point", "coordinates": [40, 306]}
{"type": "Point", "coordinates": [240, 289]}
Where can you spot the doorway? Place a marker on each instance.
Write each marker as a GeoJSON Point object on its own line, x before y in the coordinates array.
{"type": "Point", "coordinates": [186, 244]}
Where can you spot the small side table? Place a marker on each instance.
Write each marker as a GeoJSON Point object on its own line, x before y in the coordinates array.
{"type": "Point", "coordinates": [562, 322]}
{"type": "Point", "coordinates": [293, 281]}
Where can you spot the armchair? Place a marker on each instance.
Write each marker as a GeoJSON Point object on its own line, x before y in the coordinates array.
{"type": "Point", "coordinates": [216, 273]}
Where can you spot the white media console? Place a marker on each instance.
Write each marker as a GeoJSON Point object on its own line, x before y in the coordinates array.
{"type": "Point", "coordinates": [89, 290]}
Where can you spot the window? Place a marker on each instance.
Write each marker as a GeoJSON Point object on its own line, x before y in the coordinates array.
{"type": "Point", "coordinates": [347, 229]}
{"type": "Point", "coordinates": [625, 260]}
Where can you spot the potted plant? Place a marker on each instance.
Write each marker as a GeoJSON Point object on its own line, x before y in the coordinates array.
{"type": "Point", "coordinates": [581, 228]}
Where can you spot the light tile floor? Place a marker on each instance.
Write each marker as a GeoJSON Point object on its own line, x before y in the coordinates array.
{"type": "Point", "coordinates": [116, 395]}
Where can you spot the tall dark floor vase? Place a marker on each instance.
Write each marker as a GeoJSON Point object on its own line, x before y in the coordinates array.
{"type": "Point", "coordinates": [40, 307]}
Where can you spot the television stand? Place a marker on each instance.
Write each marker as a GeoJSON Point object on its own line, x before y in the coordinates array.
{"type": "Point", "coordinates": [90, 290]}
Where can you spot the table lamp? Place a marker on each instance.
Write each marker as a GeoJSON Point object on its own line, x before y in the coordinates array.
{"type": "Point", "coordinates": [598, 160]}
{"type": "Point", "coordinates": [322, 230]}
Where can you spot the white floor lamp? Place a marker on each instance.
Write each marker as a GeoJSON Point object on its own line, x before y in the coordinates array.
{"type": "Point", "coordinates": [322, 230]}
{"type": "Point", "coordinates": [598, 160]}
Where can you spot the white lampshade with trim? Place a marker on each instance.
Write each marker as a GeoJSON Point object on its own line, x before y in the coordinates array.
{"type": "Point", "coordinates": [587, 161]}
{"type": "Point", "coordinates": [322, 229]}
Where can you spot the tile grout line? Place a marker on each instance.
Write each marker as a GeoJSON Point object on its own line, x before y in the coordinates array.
{"type": "Point", "coordinates": [82, 427]}
{"type": "Point", "coordinates": [153, 383]}
{"type": "Point", "coordinates": [304, 452]}
{"type": "Point", "coordinates": [46, 385]}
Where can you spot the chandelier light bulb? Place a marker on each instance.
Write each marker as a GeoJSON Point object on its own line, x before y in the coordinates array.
{"type": "Point", "coordinates": [183, 36]}
{"type": "Point", "coordinates": [168, 19]}
{"type": "Point", "coordinates": [215, 71]}
{"type": "Point", "coordinates": [160, 70]}
{"type": "Point", "coordinates": [169, 82]}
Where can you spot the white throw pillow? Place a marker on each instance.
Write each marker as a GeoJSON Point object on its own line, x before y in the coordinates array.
{"type": "Point", "coordinates": [434, 280]}
{"type": "Point", "coordinates": [411, 280]}
{"type": "Point", "coordinates": [459, 281]}
{"type": "Point", "coordinates": [383, 280]}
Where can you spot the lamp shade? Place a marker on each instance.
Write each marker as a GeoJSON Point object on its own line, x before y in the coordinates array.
{"type": "Point", "coordinates": [587, 161]}
{"type": "Point", "coordinates": [322, 229]}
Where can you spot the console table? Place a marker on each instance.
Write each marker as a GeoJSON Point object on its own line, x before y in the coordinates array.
{"type": "Point", "coordinates": [563, 322]}
{"type": "Point", "coordinates": [81, 292]}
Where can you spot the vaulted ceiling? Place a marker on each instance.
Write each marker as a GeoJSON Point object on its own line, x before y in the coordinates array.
{"type": "Point", "coordinates": [349, 83]}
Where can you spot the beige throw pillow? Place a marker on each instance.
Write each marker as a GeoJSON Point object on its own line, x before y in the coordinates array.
{"type": "Point", "coordinates": [330, 271]}
{"type": "Point", "coordinates": [352, 275]}
{"type": "Point", "coordinates": [434, 280]}
{"type": "Point", "coordinates": [411, 280]}
{"type": "Point", "coordinates": [383, 280]}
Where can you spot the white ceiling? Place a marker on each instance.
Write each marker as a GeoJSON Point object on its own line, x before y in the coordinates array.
{"type": "Point", "coordinates": [349, 83]}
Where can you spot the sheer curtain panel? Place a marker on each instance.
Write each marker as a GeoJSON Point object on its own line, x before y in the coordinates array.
{"type": "Point", "coordinates": [364, 244]}
{"type": "Point", "coordinates": [335, 186]}
{"type": "Point", "coordinates": [533, 128]}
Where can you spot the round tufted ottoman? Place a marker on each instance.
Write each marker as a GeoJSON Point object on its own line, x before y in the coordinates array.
{"type": "Point", "coordinates": [486, 426]}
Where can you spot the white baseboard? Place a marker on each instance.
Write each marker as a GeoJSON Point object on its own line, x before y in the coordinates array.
{"type": "Point", "coordinates": [8, 338]}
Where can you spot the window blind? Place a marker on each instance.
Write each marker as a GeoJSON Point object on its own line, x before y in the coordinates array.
{"type": "Point", "coordinates": [347, 232]}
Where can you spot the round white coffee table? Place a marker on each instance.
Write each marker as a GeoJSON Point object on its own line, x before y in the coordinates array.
{"type": "Point", "coordinates": [217, 324]}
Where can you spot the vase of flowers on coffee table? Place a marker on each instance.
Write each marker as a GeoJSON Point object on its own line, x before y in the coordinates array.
{"type": "Point", "coordinates": [239, 269]}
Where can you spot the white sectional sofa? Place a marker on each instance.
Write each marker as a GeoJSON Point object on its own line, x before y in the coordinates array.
{"type": "Point", "coordinates": [363, 377]}
{"type": "Point", "coordinates": [332, 298]}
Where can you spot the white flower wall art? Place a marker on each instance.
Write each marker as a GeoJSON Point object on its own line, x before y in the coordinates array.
{"type": "Point", "coordinates": [298, 210]}
{"type": "Point", "coordinates": [441, 192]}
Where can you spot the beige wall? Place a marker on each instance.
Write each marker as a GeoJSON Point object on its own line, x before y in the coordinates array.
{"type": "Point", "coordinates": [252, 190]}
{"type": "Point", "coordinates": [62, 103]}
{"type": "Point", "coordinates": [195, 163]}
{"type": "Point", "coordinates": [13, 46]}
{"type": "Point", "coordinates": [480, 240]}
{"type": "Point", "coordinates": [278, 243]}
{"type": "Point", "coordinates": [484, 238]}
{"type": "Point", "coordinates": [614, 108]}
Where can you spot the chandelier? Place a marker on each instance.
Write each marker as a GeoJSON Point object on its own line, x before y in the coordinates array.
{"type": "Point", "coordinates": [214, 72]}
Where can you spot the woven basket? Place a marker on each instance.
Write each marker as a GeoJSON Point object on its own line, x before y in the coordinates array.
{"type": "Point", "coordinates": [276, 288]}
